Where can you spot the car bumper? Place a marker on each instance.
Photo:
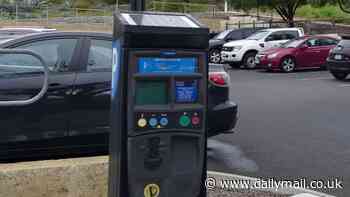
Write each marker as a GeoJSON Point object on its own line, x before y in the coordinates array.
{"type": "Point", "coordinates": [338, 66]}
{"type": "Point", "coordinates": [222, 118]}
{"type": "Point", "coordinates": [230, 56]}
{"type": "Point", "coordinates": [268, 64]}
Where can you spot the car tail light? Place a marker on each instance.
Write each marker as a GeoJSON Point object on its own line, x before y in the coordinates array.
{"type": "Point", "coordinates": [221, 79]}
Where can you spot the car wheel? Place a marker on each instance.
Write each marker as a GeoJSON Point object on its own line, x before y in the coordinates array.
{"type": "Point", "coordinates": [288, 64]}
{"type": "Point", "coordinates": [339, 75]}
{"type": "Point", "coordinates": [249, 60]}
{"type": "Point", "coordinates": [323, 67]}
{"type": "Point", "coordinates": [215, 56]}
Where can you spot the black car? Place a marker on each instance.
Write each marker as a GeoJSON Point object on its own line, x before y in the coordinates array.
{"type": "Point", "coordinates": [338, 61]}
{"type": "Point", "coordinates": [216, 43]}
{"type": "Point", "coordinates": [7, 33]}
{"type": "Point", "coordinates": [73, 116]}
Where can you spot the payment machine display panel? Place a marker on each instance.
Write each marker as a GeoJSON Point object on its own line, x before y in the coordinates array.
{"type": "Point", "coordinates": [167, 90]}
{"type": "Point", "coordinates": [186, 91]}
{"type": "Point", "coordinates": [167, 65]}
{"type": "Point", "coordinates": [151, 93]}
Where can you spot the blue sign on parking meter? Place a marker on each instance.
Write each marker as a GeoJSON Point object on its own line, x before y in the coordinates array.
{"type": "Point", "coordinates": [159, 106]}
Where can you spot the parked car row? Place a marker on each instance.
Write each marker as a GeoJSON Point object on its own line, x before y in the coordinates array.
{"type": "Point", "coordinates": [73, 116]}
{"type": "Point", "coordinates": [243, 52]}
{"type": "Point", "coordinates": [300, 53]}
{"type": "Point", "coordinates": [282, 49]}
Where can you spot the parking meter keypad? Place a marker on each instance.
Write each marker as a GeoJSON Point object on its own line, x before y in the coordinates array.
{"type": "Point", "coordinates": [148, 121]}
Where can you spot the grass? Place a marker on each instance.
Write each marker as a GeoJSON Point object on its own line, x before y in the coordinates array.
{"type": "Point", "coordinates": [327, 12]}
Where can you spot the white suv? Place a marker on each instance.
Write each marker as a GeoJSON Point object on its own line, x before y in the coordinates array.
{"type": "Point", "coordinates": [244, 51]}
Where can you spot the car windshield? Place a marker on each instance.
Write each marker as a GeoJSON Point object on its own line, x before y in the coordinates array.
{"type": "Point", "coordinates": [293, 43]}
{"type": "Point", "coordinates": [258, 35]}
{"type": "Point", "coordinates": [222, 35]}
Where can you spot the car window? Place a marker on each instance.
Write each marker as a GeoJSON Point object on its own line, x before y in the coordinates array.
{"type": "Point", "coordinates": [258, 35]}
{"type": "Point", "coordinates": [235, 35]}
{"type": "Point", "coordinates": [57, 53]}
{"type": "Point", "coordinates": [247, 33]}
{"type": "Point", "coordinates": [290, 35]}
{"type": "Point", "coordinates": [275, 36]}
{"type": "Point", "coordinates": [328, 42]}
{"type": "Point", "coordinates": [100, 55]}
{"type": "Point", "coordinates": [222, 35]}
{"type": "Point", "coordinates": [313, 42]}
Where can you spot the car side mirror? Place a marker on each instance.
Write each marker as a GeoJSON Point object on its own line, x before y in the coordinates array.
{"type": "Point", "coordinates": [23, 77]}
{"type": "Point", "coordinates": [304, 46]}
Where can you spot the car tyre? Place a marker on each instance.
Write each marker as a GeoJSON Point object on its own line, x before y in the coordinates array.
{"type": "Point", "coordinates": [288, 64]}
{"type": "Point", "coordinates": [323, 67]}
{"type": "Point", "coordinates": [339, 75]}
{"type": "Point", "coordinates": [215, 56]}
{"type": "Point", "coordinates": [249, 60]}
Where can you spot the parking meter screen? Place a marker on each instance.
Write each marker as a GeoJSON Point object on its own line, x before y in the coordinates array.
{"type": "Point", "coordinates": [167, 65]}
{"type": "Point", "coordinates": [186, 91]}
{"type": "Point", "coordinates": [151, 93]}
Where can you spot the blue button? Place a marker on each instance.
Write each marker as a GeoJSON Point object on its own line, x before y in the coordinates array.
{"type": "Point", "coordinates": [153, 122]}
{"type": "Point", "coordinates": [164, 121]}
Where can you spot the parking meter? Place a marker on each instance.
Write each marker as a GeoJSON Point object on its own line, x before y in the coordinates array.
{"type": "Point", "coordinates": [159, 106]}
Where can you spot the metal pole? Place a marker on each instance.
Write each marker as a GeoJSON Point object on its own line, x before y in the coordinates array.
{"type": "Point", "coordinates": [47, 16]}
{"type": "Point", "coordinates": [258, 9]}
{"type": "Point", "coordinates": [137, 5]}
{"type": "Point", "coordinates": [16, 14]}
{"type": "Point", "coordinates": [104, 17]}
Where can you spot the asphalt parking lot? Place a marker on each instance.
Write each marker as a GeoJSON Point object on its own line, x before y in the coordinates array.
{"type": "Point", "coordinates": [291, 126]}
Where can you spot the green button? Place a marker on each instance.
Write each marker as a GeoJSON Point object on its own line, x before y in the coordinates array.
{"type": "Point", "coordinates": [185, 121]}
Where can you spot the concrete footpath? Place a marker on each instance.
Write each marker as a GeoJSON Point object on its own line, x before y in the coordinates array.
{"type": "Point", "coordinates": [87, 177]}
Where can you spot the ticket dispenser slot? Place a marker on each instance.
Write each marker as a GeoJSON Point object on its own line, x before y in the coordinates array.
{"type": "Point", "coordinates": [163, 143]}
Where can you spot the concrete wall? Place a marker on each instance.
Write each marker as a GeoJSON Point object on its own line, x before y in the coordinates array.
{"type": "Point", "coordinates": [83, 177]}
{"type": "Point", "coordinates": [87, 177]}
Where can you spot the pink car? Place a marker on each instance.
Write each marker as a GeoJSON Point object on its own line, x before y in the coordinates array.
{"type": "Point", "coordinates": [302, 53]}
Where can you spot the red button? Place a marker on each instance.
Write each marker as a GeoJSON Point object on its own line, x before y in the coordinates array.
{"type": "Point", "coordinates": [195, 120]}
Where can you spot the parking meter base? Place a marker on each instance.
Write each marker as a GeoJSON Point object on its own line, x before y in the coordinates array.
{"type": "Point", "coordinates": [169, 160]}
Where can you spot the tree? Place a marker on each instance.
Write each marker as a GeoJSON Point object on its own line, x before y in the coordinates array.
{"type": "Point", "coordinates": [344, 5]}
{"type": "Point", "coordinates": [285, 8]}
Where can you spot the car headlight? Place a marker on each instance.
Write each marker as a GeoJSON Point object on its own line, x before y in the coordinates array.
{"type": "Point", "coordinates": [273, 55]}
{"type": "Point", "coordinates": [237, 48]}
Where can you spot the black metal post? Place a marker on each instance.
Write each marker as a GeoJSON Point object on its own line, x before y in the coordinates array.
{"type": "Point", "coordinates": [137, 5]}
{"type": "Point", "coordinates": [258, 9]}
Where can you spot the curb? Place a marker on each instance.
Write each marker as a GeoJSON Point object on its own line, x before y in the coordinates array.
{"type": "Point", "coordinates": [295, 192]}
{"type": "Point", "coordinates": [88, 177]}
